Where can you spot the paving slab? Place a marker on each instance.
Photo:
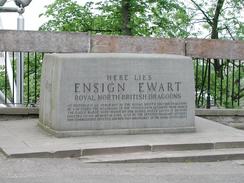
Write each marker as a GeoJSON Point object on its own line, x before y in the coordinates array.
{"type": "Point", "coordinates": [23, 138]}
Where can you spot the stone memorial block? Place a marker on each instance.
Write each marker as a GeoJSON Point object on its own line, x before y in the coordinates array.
{"type": "Point", "coordinates": [95, 94]}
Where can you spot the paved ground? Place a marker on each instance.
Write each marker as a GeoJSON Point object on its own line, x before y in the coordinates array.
{"type": "Point", "coordinates": [74, 171]}
{"type": "Point", "coordinates": [23, 137]}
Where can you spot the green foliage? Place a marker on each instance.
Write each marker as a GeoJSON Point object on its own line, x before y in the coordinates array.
{"type": "Point", "coordinates": [224, 86]}
{"type": "Point", "coordinates": [2, 79]}
{"type": "Point", "coordinates": [169, 19]}
{"type": "Point", "coordinates": [4, 84]}
{"type": "Point", "coordinates": [164, 18]}
{"type": "Point", "coordinates": [229, 19]}
{"type": "Point", "coordinates": [32, 75]}
{"type": "Point", "coordinates": [66, 15]}
{"type": "Point", "coordinates": [146, 18]}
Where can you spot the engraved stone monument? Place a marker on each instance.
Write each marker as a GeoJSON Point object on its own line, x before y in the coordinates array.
{"type": "Point", "coordinates": [96, 94]}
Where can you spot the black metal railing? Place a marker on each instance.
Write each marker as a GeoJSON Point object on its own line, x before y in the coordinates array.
{"type": "Point", "coordinates": [217, 81]}
{"type": "Point", "coordinates": [32, 74]}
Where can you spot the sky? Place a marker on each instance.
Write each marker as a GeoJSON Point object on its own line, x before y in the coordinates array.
{"type": "Point", "coordinates": [31, 15]}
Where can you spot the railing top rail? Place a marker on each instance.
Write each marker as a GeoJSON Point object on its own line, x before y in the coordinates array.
{"type": "Point", "coordinates": [67, 42]}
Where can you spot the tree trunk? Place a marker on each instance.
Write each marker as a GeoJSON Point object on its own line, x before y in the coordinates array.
{"type": "Point", "coordinates": [215, 21]}
{"type": "Point", "coordinates": [126, 17]}
{"type": "Point", "coordinates": [215, 31]}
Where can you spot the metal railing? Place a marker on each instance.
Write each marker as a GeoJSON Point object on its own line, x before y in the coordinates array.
{"type": "Point", "coordinates": [32, 74]}
{"type": "Point", "coordinates": [218, 65]}
{"type": "Point", "coordinates": [221, 86]}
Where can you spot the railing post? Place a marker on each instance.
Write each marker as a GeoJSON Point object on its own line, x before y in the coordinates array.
{"type": "Point", "coordinates": [209, 80]}
{"type": "Point", "coordinates": [227, 84]}
{"type": "Point", "coordinates": [196, 82]}
{"type": "Point", "coordinates": [20, 67]}
{"type": "Point", "coordinates": [239, 83]}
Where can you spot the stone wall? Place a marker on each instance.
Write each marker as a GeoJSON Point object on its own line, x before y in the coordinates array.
{"type": "Point", "coordinates": [68, 42]}
{"type": "Point", "coordinates": [230, 117]}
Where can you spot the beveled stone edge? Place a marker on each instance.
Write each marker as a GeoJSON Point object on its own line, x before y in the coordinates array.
{"type": "Point", "coordinates": [78, 133]}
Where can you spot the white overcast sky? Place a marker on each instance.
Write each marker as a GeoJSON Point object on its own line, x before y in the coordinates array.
{"type": "Point", "coordinates": [31, 15]}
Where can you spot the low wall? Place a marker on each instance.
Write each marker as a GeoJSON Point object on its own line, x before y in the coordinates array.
{"type": "Point", "coordinates": [230, 117]}
{"type": "Point", "coordinates": [83, 42]}
{"type": "Point", "coordinates": [16, 113]}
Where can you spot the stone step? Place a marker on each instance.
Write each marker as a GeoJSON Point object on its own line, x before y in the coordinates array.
{"type": "Point", "coordinates": [169, 156]}
{"type": "Point", "coordinates": [114, 150]}
{"type": "Point", "coordinates": [162, 147]}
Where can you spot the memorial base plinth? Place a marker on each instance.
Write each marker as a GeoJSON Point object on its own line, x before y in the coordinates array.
{"type": "Point", "coordinates": [77, 133]}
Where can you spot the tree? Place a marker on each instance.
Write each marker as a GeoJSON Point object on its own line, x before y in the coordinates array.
{"type": "Point", "coordinates": [124, 17]}
{"type": "Point", "coordinates": [218, 18]}
{"type": "Point", "coordinates": [164, 18]}
{"type": "Point", "coordinates": [169, 19]}
{"type": "Point", "coordinates": [66, 15]}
